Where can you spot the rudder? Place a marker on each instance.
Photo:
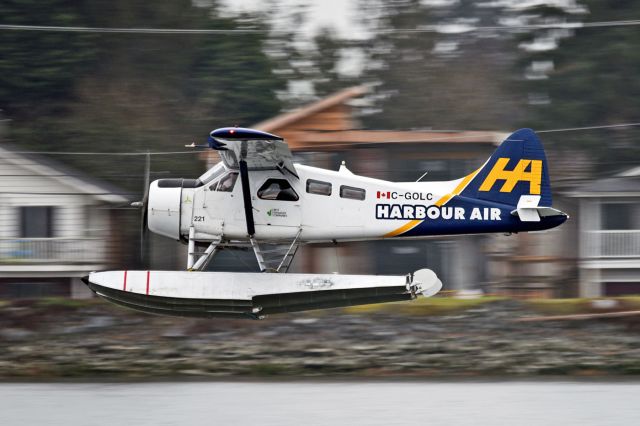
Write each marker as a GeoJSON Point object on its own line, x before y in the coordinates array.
{"type": "Point", "coordinates": [518, 167]}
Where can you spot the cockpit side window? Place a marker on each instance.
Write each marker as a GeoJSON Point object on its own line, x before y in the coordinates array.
{"type": "Point", "coordinates": [277, 189]}
{"type": "Point", "coordinates": [225, 184]}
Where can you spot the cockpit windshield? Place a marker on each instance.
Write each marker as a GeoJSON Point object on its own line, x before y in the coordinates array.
{"type": "Point", "coordinates": [212, 173]}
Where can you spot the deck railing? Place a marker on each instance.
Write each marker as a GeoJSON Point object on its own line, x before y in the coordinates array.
{"type": "Point", "coordinates": [52, 250]}
{"type": "Point", "coordinates": [607, 244]}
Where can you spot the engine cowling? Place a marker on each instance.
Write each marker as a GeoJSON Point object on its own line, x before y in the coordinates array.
{"type": "Point", "coordinates": [164, 208]}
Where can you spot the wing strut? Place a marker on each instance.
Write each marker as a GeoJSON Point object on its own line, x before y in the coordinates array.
{"type": "Point", "coordinates": [278, 257]}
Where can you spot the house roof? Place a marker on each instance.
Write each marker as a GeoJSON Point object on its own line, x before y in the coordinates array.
{"type": "Point", "coordinates": [328, 140]}
{"type": "Point", "coordinates": [617, 186]}
{"type": "Point", "coordinates": [286, 118]}
{"type": "Point", "coordinates": [83, 184]}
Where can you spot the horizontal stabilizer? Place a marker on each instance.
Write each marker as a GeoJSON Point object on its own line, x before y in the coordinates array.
{"type": "Point", "coordinates": [527, 208]}
{"type": "Point", "coordinates": [529, 211]}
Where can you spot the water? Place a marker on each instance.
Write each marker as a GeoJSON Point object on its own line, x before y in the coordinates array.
{"type": "Point", "coordinates": [320, 403]}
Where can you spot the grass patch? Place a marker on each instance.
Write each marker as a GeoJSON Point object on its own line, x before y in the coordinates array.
{"type": "Point", "coordinates": [581, 306]}
{"type": "Point", "coordinates": [267, 369]}
{"type": "Point", "coordinates": [559, 306]}
{"type": "Point", "coordinates": [631, 303]}
{"type": "Point", "coordinates": [424, 306]}
{"type": "Point", "coordinates": [63, 302]}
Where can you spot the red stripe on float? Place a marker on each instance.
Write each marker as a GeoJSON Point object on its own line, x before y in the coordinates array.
{"type": "Point", "coordinates": [124, 285]}
{"type": "Point", "coordinates": [148, 273]}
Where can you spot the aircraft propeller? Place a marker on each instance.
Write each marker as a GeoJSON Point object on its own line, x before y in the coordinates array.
{"type": "Point", "coordinates": [143, 206]}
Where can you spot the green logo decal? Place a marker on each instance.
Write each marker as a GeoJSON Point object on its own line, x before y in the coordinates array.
{"type": "Point", "coordinates": [276, 213]}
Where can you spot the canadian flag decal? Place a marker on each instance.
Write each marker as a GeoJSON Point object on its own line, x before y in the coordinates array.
{"type": "Point", "coordinates": [386, 195]}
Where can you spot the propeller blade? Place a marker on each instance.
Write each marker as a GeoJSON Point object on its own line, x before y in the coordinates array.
{"type": "Point", "coordinates": [143, 204]}
{"type": "Point", "coordinates": [147, 173]}
{"type": "Point", "coordinates": [143, 235]}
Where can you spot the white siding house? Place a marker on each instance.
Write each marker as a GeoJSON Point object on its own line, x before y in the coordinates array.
{"type": "Point", "coordinates": [54, 226]}
{"type": "Point", "coordinates": [609, 235]}
{"type": "Point", "coordinates": [535, 264]}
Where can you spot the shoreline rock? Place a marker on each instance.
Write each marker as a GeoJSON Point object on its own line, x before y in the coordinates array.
{"type": "Point", "coordinates": [97, 340]}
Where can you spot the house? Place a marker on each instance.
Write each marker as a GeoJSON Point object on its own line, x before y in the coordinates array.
{"type": "Point", "coordinates": [535, 264]}
{"type": "Point", "coordinates": [608, 238]}
{"type": "Point", "coordinates": [326, 132]}
{"type": "Point", "coordinates": [55, 226]}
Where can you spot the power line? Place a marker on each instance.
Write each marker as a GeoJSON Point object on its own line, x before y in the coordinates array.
{"type": "Point", "coordinates": [106, 153]}
{"type": "Point", "coordinates": [127, 30]}
{"type": "Point", "coordinates": [442, 28]}
{"type": "Point", "coordinates": [443, 139]}
{"type": "Point", "coordinates": [63, 193]}
{"type": "Point", "coordinates": [577, 129]}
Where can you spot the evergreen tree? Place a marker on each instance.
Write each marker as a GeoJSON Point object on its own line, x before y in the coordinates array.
{"type": "Point", "coordinates": [127, 92]}
{"type": "Point", "coordinates": [38, 69]}
{"type": "Point", "coordinates": [438, 80]}
{"type": "Point", "coordinates": [594, 81]}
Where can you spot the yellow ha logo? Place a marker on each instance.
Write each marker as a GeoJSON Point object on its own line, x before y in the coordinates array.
{"type": "Point", "coordinates": [512, 177]}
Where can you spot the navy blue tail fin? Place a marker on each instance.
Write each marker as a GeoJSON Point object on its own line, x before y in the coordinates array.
{"type": "Point", "coordinates": [518, 167]}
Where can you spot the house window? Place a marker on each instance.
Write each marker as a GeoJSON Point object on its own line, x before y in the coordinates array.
{"type": "Point", "coordinates": [617, 216]}
{"type": "Point", "coordinates": [318, 187]}
{"type": "Point", "coordinates": [277, 189]}
{"type": "Point", "coordinates": [36, 222]}
{"type": "Point", "coordinates": [352, 193]}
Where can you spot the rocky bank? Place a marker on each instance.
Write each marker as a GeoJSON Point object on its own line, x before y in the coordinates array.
{"type": "Point", "coordinates": [70, 339]}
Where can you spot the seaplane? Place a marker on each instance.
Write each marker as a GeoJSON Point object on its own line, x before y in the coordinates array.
{"type": "Point", "coordinates": [256, 198]}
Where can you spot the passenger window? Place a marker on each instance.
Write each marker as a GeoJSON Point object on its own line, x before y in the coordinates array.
{"type": "Point", "coordinates": [277, 189]}
{"type": "Point", "coordinates": [318, 187]}
{"type": "Point", "coordinates": [227, 183]}
{"type": "Point", "coordinates": [352, 193]}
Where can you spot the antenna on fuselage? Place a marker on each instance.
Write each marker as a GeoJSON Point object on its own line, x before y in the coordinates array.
{"type": "Point", "coordinates": [423, 175]}
{"type": "Point", "coordinates": [343, 168]}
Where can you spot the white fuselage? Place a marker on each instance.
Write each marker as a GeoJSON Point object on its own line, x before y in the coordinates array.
{"type": "Point", "coordinates": [330, 205]}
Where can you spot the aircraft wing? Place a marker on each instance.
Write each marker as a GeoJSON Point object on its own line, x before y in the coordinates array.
{"type": "Point", "coordinates": [260, 150]}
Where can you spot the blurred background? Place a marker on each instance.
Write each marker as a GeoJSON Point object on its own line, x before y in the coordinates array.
{"type": "Point", "coordinates": [394, 88]}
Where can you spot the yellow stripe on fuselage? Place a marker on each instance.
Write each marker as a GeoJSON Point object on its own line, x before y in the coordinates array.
{"type": "Point", "coordinates": [461, 186]}
{"type": "Point", "coordinates": [404, 228]}
{"type": "Point", "coordinates": [442, 201]}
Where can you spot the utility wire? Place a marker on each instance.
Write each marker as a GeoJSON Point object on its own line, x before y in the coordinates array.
{"type": "Point", "coordinates": [63, 193]}
{"type": "Point", "coordinates": [576, 129]}
{"type": "Point", "coordinates": [442, 28]}
{"type": "Point", "coordinates": [106, 153]}
{"type": "Point", "coordinates": [129, 30]}
{"type": "Point", "coordinates": [443, 139]}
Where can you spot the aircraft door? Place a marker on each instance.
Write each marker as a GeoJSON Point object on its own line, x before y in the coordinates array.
{"type": "Point", "coordinates": [276, 203]}
{"type": "Point", "coordinates": [216, 204]}
{"type": "Point", "coordinates": [351, 210]}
